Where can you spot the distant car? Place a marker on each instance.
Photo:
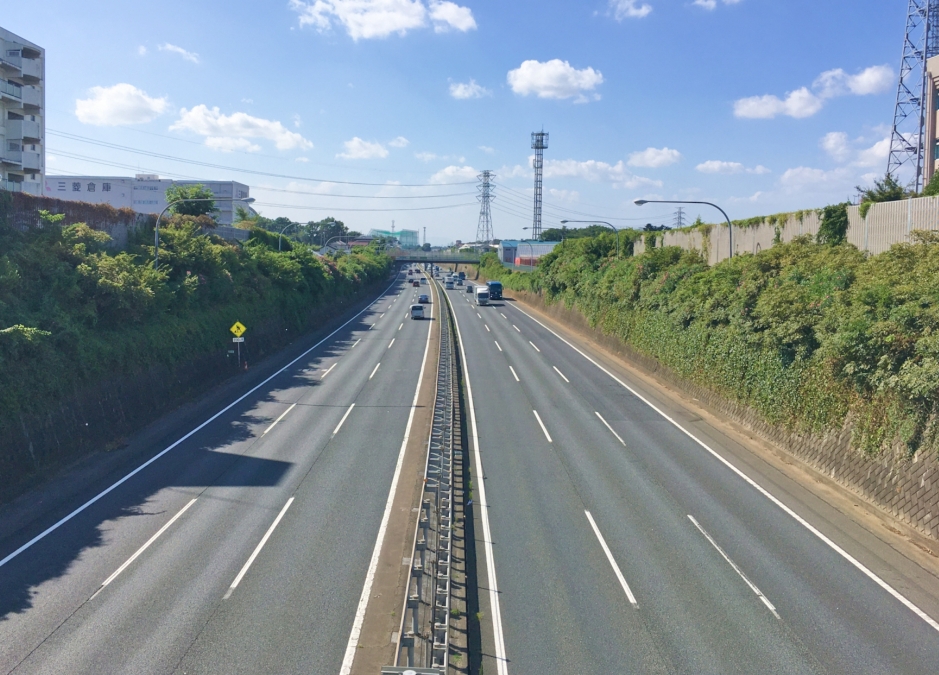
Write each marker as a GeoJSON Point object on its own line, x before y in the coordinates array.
{"type": "Point", "coordinates": [459, 281]}
{"type": "Point", "coordinates": [495, 290]}
{"type": "Point", "coordinates": [417, 311]}
{"type": "Point", "coordinates": [423, 299]}
{"type": "Point", "coordinates": [416, 283]}
{"type": "Point", "coordinates": [462, 275]}
{"type": "Point", "coordinates": [448, 284]}
{"type": "Point", "coordinates": [423, 280]}
{"type": "Point", "coordinates": [469, 288]}
{"type": "Point", "coordinates": [410, 272]}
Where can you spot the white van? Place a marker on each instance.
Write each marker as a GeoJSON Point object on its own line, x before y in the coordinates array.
{"type": "Point", "coordinates": [448, 284]}
{"type": "Point", "coordinates": [482, 295]}
{"type": "Point", "coordinates": [417, 311]}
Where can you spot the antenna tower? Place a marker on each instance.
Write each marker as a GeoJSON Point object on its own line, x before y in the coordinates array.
{"type": "Point", "coordinates": [539, 143]}
{"type": "Point", "coordinates": [908, 138]}
{"type": "Point", "coordinates": [485, 187]}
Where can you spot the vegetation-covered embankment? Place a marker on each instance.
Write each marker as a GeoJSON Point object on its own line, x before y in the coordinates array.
{"type": "Point", "coordinates": [94, 342]}
{"type": "Point", "coordinates": [808, 334]}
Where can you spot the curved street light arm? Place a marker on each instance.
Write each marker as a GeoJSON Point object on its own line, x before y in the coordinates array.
{"type": "Point", "coordinates": [730, 225]}
{"type": "Point", "coordinates": [156, 229]}
{"type": "Point", "coordinates": [599, 222]}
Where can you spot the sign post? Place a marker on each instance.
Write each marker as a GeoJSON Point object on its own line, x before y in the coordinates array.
{"type": "Point", "coordinates": [238, 330]}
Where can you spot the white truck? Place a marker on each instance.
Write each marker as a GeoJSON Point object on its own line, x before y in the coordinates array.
{"type": "Point", "coordinates": [482, 295]}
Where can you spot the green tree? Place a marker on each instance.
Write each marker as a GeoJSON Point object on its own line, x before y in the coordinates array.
{"type": "Point", "coordinates": [885, 190]}
{"type": "Point", "coordinates": [932, 188]}
{"type": "Point", "coordinates": [191, 208]}
{"type": "Point", "coordinates": [425, 247]}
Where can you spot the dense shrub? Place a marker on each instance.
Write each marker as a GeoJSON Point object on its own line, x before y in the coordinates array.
{"type": "Point", "coordinates": [806, 333]}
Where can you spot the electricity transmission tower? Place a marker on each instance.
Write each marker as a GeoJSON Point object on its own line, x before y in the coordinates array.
{"type": "Point", "coordinates": [539, 143]}
{"type": "Point", "coordinates": [680, 217]}
{"type": "Point", "coordinates": [908, 137]}
{"type": "Point", "coordinates": [485, 187]}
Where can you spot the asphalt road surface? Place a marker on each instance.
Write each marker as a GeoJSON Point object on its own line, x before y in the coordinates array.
{"type": "Point", "coordinates": [245, 547]}
{"type": "Point", "coordinates": [618, 543]}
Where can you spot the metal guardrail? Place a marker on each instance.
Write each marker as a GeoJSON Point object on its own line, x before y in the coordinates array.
{"type": "Point", "coordinates": [424, 642]}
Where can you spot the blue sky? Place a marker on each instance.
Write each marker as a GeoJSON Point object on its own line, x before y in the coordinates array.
{"type": "Point", "coordinates": [759, 105]}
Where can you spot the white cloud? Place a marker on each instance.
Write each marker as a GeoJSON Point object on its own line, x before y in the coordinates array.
{"type": "Point", "coordinates": [359, 149]}
{"type": "Point", "coordinates": [121, 104]}
{"type": "Point", "coordinates": [455, 174]}
{"type": "Point", "coordinates": [247, 100]}
{"type": "Point", "coordinates": [464, 90]}
{"type": "Point", "coordinates": [715, 166]}
{"type": "Point", "coordinates": [141, 51]}
{"type": "Point", "coordinates": [211, 122]}
{"type": "Point", "coordinates": [487, 149]}
{"type": "Point", "coordinates": [654, 158]}
{"type": "Point", "coordinates": [227, 144]}
{"type": "Point", "coordinates": [449, 15]}
{"type": "Point", "coordinates": [629, 9]}
{"type": "Point", "coordinates": [186, 54]}
{"type": "Point", "coordinates": [553, 79]}
{"type": "Point", "coordinates": [425, 156]}
{"type": "Point", "coordinates": [366, 19]}
{"type": "Point", "coordinates": [836, 144]}
{"type": "Point", "coordinates": [799, 103]}
{"type": "Point", "coordinates": [592, 170]}
{"type": "Point", "coordinates": [302, 159]}
{"type": "Point", "coordinates": [804, 103]}
{"type": "Point", "coordinates": [876, 155]}
{"type": "Point", "coordinates": [873, 80]}
{"type": "Point", "coordinates": [710, 5]}
{"type": "Point", "coordinates": [297, 121]}
{"type": "Point", "coordinates": [807, 179]}
{"type": "Point", "coordinates": [399, 142]}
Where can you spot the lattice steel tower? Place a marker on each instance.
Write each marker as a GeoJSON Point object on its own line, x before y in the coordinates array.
{"type": "Point", "coordinates": [539, 143]}
{"type": "Point", "coordinates": [908, 138]}
{"type": "Point", "coordinates": [485, 187]}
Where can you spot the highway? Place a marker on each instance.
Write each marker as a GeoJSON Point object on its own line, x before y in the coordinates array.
{"type": "Point", "coordinates": [243, 547]}
{"type": "Point", "coordinates": [613, 541]}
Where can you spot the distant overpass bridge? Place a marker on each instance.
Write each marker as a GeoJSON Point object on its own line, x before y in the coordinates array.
{"type": "Point", "coordinates": [435, 257]}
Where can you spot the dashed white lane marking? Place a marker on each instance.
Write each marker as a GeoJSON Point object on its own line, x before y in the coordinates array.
{"type": "Point", "coordinates": [611, 429]}
{"type": "Point", "coordinates": [543, 428]}
{"type": "Point", "coordinates": [401, 326]}
{"type": "Point", "coordinates": [497, 345]}
{"type": "Point", "coordinates": [355, 343]}
{"type": "Point", "coordinates": [282, 416]}
{"type": "Point", "coordinates": [143, 548]}
{"type": "Point", "coordinates": [392, 342]}
{"type": "Point", "coordinates": [561, 374]}
{"type": "Point", "coordinates": [609, 556]}
{"type": "Point", "coordinates": [257, 550]}
{"type": "Point", "coordinates": [513, 374]}
{"type": "Point", "coordinates": [374, 371]}
{"type": "Point", "coordinates": [479, 315]}
{"type": "Point", "coordinates": [516, 327]}
{"type": "Point", "coordinates": [533, 345]}
{"type": "Point", "coordinates": [730, 562]}
{"type": "Point", "coordinates": [339, 426]}
{"type": "Point", "coordinates": [487, 329]}
{"type": "Point", "coordinates": [330, 369]}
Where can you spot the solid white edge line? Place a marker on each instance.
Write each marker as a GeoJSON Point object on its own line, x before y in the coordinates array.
{"type": "Point", "coordinates": [374, 371]}
{"type": "Point", "coordinates": [339, 426]}
{"type": "Point", "coordinates": [610, 428]}
{"type": "Point", "coordinates": [257, 549]}
{"type": "Point", "coordinates": [609, 556]}
{"type": "Point", "coordinates": [143, 548]}
{"type": "Point", "coordinates": [353, 643]}
{"type": "Point", "coordinates": [498, 637]}
{"type": "Point", "coordinates": [330, 369]}
{"type": "Point", "coordinates": [392, 342]}
{"type": "Point", "coordinates": [157, 456]}
{"type": "Point", "coordinates": [561, 374]}
{"type": "Point", "coordinates": [497, 345]}
{"type": "Point", "coordinates": [513, 374]}
{"type": "Point", "coordinates": [799, 519]}
{"type": "Point", "coordinates": [282, 416]}
{"type": "Point", "coordinates": [543, 428]}
{"type": "Point", "coordinates": [533, 345]}
{"type": "Point", "coordinates": [730, 562]}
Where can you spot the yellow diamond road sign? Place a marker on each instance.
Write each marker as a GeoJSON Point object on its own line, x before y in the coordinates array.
{"type": "Point", "coordinates": [238, 329]}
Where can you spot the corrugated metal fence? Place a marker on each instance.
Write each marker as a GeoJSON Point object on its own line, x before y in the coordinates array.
{"type": "Point", "coordinates": [886, 224]}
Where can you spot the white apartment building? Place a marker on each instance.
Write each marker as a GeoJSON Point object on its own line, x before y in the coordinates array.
{"type": "Point", "coordinates": [22, 114]}
{"type": "Point", "coordinates": [144, 193]}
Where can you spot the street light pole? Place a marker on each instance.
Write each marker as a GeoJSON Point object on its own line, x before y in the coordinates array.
{"type": "Point", "coordinates": [156, 229]}
{"type": "Point", "coordinates": [730, 226]}
{"type": "Point", "coordinates": [597, 222]}
{"type": "Point", "coordinates": [280, 236]}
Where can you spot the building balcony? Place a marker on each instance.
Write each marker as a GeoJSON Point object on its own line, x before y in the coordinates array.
{"type": "Point", "coordinates": [32, 161]}
{"type": "Point", "coordinates": [31, 187]}
{"type": "Point", "coordinates": [11, 91]}
{"type": "Point", "coordinates": [11, 186]}
{"type": "Point", "coordinates": [32, 98]}
{"type": "Point", "coordinates": [11, 157]}
{"type": "Point", "coordinates": [24, 130]}
{"type": "Point", "coordinates": [12, 66]}
{"type": "Point", "coordinates": [32, 70]}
